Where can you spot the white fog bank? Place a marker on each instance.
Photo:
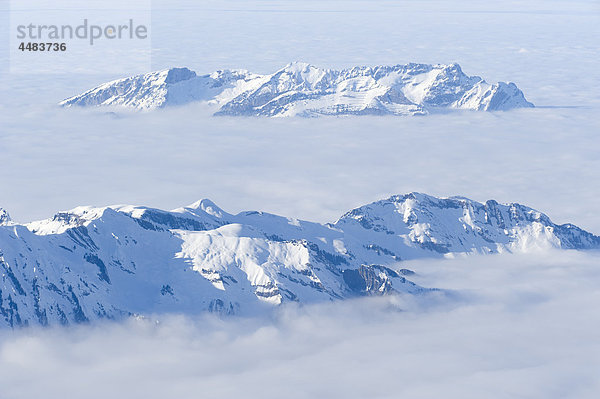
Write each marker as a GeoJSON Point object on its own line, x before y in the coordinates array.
{"type": "Point", "coordinates": [511, 326]}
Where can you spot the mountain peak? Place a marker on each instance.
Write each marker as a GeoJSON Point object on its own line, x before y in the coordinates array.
{"type": "Point", "coordinates": [415, 195]}
{"type": "Point", "coordinates": [207, 206]}
{"type": "Point", "coordinates": [298, 66]}
{"type": "Point", "coordinates": [175, 75]}
{"type": "Point", "coordinates": [454, 66]}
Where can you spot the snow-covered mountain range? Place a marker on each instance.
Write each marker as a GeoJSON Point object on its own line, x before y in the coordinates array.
{"type": "Point", "coordinates": [112, 262]}
{"type": "Point", "coordinates": [305, 90]}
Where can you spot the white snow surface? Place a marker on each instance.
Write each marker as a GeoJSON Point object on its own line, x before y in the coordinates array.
{"type": "Point", "coordinates": [305, 90]}
{"type": "Point", "coordinates": [111, 262]}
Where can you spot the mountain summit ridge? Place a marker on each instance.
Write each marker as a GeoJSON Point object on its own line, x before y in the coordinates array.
{"type": "Point", "coordinates": [302, 89]}
{"type": "Point", "coordinates": [112, 262]}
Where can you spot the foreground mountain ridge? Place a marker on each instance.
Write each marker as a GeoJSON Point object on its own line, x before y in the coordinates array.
{"type": "Point", "coordinates": [301, 89]}
{"type": "Point", "coordinates": [113, 262]}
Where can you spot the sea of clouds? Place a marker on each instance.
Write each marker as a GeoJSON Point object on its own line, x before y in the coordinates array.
{"type": "Point", "coordinates": [311, 169]}
{"type": "Point", "coordinates": [507, 326]}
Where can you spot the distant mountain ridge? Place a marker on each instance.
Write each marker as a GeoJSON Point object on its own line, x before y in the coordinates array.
{"type": "Point", "coordinates": [113, 262]}
{"type": "Point", "coordinates": [301, 89]}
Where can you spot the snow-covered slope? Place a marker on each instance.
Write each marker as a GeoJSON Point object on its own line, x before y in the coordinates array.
{"type": "Point", "coordinates": [175, 86]}
{"type": "Point", "coordinates": [305, 90]}
{"type": "Point", "coordinates": [110, 262]}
